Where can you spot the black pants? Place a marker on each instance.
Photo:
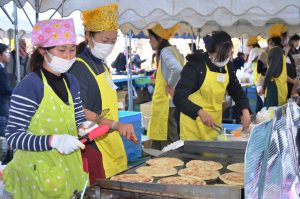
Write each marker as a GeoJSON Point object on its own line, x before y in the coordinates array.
{"type": "Point", "coordinates": [3, 123]}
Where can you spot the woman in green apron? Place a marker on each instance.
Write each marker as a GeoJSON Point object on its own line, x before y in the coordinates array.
{"type": "Point", "coordinates": [44, 115]}
{"type": "Point", "coordinates": [275, 86]}
{"type": "Point", "coordinates": [106, 156]}
{"type": "Point", "coordinates": [201, 89]}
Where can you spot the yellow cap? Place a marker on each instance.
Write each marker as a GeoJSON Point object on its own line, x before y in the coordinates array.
{"type": "Point", "coordinates": [276, 30]}
{"type": "Point", "coordinates": [252, 40]}
{"type": "Point", "coordinates": [165, 33]}
{"type": "Point", "coordinates": [104, 18]}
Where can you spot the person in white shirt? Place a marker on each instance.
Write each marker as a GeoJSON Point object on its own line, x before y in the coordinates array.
{"type": "Point", "coordinates": [254, 52]}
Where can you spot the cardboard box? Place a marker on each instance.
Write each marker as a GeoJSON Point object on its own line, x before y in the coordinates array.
{"type": "Point", "coordinates": [145, 108]}
{"type": "Point", "coordinates": [122, 99]}
{"type": "Point", "coordinates": [225, 105]}
{"type": "Point", "coordinates": [122, 94]}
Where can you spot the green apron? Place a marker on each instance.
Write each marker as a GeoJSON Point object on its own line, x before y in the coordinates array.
{"type": "Point", "coordinates": [47, 174]}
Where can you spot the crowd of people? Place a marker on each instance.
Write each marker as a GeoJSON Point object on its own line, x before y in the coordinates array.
{"type": "Point", "coordinates": [63, 87]}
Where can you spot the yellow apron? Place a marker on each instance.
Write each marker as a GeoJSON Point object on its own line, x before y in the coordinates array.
{"type": "Point", "coordinates": [255, 74]}
{"type": "Point", "coordinates": [209, 97]}
{"type": "Point", "coordinates": [158, 124]}
{"type": "Point", "coordinates": [110, 145]}
{"type": "Point", "coordinates": [281, 84]}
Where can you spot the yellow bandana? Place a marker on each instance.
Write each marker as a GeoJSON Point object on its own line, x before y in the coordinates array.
{"type": "Point", "coordinates": [104, 18]}
{"type": "Point", "coordinates": [165, 33]}
{"type": "Point", "coordinates": [276, 30]}
{"type": "Point", "coordinates": [251, 41]}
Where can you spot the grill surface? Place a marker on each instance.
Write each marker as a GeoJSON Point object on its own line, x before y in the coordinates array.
{"type": "Point", "coordinates": [223, 152]}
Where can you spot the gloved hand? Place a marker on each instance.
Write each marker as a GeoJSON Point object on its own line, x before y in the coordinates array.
{"type": "Point", "coordinates": [66, 144]}
{"type": "Point", "coordinates": [85, 129]}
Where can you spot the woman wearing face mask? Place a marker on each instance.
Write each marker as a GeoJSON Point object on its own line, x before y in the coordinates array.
{"type": "Point", "coordinates": [201, 89]}
{"type": "Point", "coordinates": [275, 83]}
{"type": "Point", "coordinates": [105, 157]}
{"type": "Point", "coordinates": [43, 119]}
{"type": "Point", "coordinates": [162, 126]}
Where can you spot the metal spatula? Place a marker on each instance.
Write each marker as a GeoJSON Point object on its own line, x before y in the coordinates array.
{"type": "Point", "coordinates": [220, 129]}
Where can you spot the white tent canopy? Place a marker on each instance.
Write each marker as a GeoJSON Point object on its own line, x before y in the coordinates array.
{"type": "Point", "coordinates": [234, 16]}
{"type": "Point", "coordinates": [24, 25]}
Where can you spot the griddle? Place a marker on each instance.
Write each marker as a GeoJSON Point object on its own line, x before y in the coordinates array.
{"type": "Point", "coordinates": [224, 152]}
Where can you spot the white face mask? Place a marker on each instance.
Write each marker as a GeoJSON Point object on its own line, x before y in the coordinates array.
{"type": "Point", "coordinates": [100, 50]}
{"type": "Point", "coordinates": [221, 64]}
{"type": "Point", "coordinates": [59, 65]}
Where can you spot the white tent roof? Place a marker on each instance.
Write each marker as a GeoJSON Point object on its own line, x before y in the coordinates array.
{"type": "Point", "coordinates": [234, 16]}
{"type": "Point", "coordinates": [24, 25]}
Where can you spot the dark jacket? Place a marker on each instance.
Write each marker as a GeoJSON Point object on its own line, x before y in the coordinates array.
{"type": "Point", "coordinates": [192, 78]}
{"type": "Point", "coordinates": [120, 62]}
{"type": "Point", "coordinates": [5, 92]}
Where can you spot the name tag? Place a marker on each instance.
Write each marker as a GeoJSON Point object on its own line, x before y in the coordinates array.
{"type": "Point", "coordinates": [221, 77]}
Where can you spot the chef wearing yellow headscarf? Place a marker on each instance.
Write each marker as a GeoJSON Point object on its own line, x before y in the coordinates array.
{"type": "Point", "coordinates": [275, 83]}
{"type": "Point", "coordinates": [163, 127]}
{"type": "Point", "coordinates": [106, 156]}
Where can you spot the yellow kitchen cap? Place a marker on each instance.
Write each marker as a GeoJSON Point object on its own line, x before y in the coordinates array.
{"type": "Point", "coordinates": [165, 33]}
{"type": "Point", "coordinates": [104, 18]}
{"type": "Point", "coordinates": [252, 40]}
{"type": "Point", "coordinates": [276, 30]}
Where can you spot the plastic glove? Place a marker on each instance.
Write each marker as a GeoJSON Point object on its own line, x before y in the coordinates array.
{"type": "Point", "coordinates": [82, 131]}
{"type": "Point", "coordinates": [66, 144]}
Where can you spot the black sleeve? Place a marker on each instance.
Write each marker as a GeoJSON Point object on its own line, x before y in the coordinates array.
{"type": "Point", "coordinates": [235, 90]}
{"type": "Point", "coordinates": [261, 69]}
{"type": "Point", "coordinates": [291, 70]}
{"type": "Point", "coordinates": [275, 65]}
{"type": "Point", "coordinates": [137, 59]}
{"type": "Point", "coordinates": [78, 70]}
{"type": "Point", "coordinates": [5, 88]}
{"type": "Point", "coordinates": [192, 77]}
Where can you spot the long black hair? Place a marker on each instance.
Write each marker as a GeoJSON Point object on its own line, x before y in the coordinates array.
{"type": "Point", "coordinates": [82, 45]}
{"type": "Point", "coordinates": [220, 43]}
{"type": "Point", "coordinates": [276, 41]}
{"type": "Point", "coordinates": [3, 48]}
{"type": "Point", "coordinates": [162, 44]}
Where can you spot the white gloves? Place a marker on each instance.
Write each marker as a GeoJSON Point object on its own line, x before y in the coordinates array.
{"type": "Point", "coordinates": [85, 129]}
{"type": "Point", "coordinates": [66, 144]}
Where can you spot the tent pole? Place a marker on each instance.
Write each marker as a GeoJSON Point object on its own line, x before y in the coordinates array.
{"type": "Point", "coordinates": [17, 42]}
{"type": "Point", "coordinates": [37, 10]}
{"type": "Point", "coordinates": [10, 40]}
{"type": "Point", "coordinates": [57, 9]}
{"type": "Point", "coordinates": [5, 12]}
{"type": "Point", "coordinates": [18, 1]}
{"type": "Point", "coordinates": [129, 75]}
